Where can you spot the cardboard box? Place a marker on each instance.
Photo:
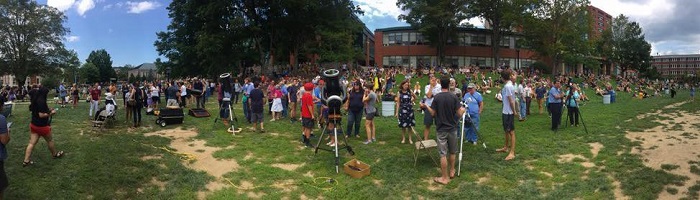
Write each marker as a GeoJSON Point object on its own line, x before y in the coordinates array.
{"type": "Point", "coordinates": [364, 169]}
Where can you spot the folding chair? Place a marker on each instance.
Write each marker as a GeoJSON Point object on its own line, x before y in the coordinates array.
{"type": "Point", "coordinates": [423, 145]}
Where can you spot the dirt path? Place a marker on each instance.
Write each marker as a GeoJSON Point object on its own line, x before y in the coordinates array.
{"type": "Point", "coordinates": [674, 143]}
{"type": "Point", "coordinates": [183, 142]}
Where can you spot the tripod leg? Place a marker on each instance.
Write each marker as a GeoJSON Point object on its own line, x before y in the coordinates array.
{"type": "Point", "coordinates": [582, 122]}
{"type": "Point", "coordinates": [337, 159]}
{"type": "Point", "coordinates": [320, 138]}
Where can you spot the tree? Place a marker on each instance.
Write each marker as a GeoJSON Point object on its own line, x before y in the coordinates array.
{"type": "Point", "coordinates": [559, 29]}
{"type": "Point", "coordinates": [30, 38]}
{"type": "Point", "coordinates": [630, 49]}
{"type": "Point", "coordinates": [89, 73]}
{"type": "Point", "coordinates": [103, 61]}
{"type": "Point", "coordinates": [123, 72]}
{"type": "Point", "coordinates": [437, 20]}
{"type": "Point", "coordinates": [502, 15]}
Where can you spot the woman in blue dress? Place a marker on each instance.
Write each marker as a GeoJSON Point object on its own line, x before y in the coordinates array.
{"type": "Point", "coordinates": [404, 111]}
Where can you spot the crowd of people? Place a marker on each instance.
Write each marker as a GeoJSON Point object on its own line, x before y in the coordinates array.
{"type": "Point", "coordinates": [297, 95]}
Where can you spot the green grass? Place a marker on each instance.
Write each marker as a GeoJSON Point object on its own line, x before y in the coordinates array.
{"type": "Point", "coordinates": [669, 167]}
{"type": "Point", "coordinates": [107, 164]}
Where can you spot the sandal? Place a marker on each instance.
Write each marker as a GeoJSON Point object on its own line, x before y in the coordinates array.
{"type": "Point", "coordinates": [58, 155]}
{"type": "Point", "coordinates": [27, 163]}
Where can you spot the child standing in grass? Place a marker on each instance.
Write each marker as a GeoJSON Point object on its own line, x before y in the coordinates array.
{"type": "Point", "coordinates": [256, 107]}
{"type": "Point", "coordinates": [4, 139]}
{"type": "Point", "coordinates": [307, 110]}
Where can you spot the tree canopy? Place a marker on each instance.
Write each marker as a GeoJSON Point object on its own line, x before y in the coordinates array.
{"type": "Point", "coordinates": [629, 48]}
{"type": "Point", "coordinates": [437, 20]}
{"type": "Point", "coordinates": [502, 15]}
{"type": "Point", "coordinates": [206, 38]}
{"type": "Point", "coordinates": [103, 61]}
{"type": "Point", "coordinates": [31, 39]}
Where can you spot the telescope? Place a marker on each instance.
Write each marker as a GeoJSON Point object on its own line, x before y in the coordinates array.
{"type": "Point", "coordinates": [333, 94]}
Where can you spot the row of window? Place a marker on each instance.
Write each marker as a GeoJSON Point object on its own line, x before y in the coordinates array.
{"type": "Point", "coordinates": [463, 39]}
{"type": "Point", "coordinates": [676, 72]}
{"type": "Point", "coordinates": [414, 61]}
{"type": "Point", "coordinates": [676, 59]}
{"type": "Point", "coordinates": [672, 66]}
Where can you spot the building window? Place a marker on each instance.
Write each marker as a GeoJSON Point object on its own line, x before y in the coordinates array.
{"type": "Point", "coordinates": [505, 41]}
{"type": "Point", "coordinates": [478, 40]}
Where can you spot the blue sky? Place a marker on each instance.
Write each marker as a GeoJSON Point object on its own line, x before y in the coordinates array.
{"type": "Point", "coordinates": [127, 29]}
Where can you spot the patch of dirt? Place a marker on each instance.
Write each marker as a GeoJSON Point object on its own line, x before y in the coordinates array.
{"type": "Point", "coordinates": [618, 190]}
{"type": "Point", "coordinates": [595, 148]}
{"type": "Point", "coordinates": [287, 166]}
{"type": "Point", "coordinates": [432, 185]}
{"type": "Point", "coordinates": [155, 182]}
{"type": "Point", "coordinates": [659, 146]}
{"type": "Point", "coordinates": [570, 157]}
{"type": "Point", "coordinates": [183, 142]}
{"type": "Point", "coordinates": [484, 179]}
{"type": "Point", "coordinates": [547, 174]}
{"type": "Point", "coordinates": [378, 182]}
{"type": "Point", "coordinates": [248, 156]}
{"type": "Point", "coordinates": [152, 157]}
{"type": "Point", "coordinates": [285, 185]}
{"type": "Point", "coordinates": [309, 174]}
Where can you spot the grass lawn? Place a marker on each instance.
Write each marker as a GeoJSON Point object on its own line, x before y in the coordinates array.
{"type": "Point", "coordinates": [122, 163]}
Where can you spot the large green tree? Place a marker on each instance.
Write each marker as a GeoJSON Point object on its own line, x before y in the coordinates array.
{"type": "Point", "coordinates": [89, 73]}
{"type": "Point", "coordinates": [437, 20]}
{"type": "Point", "coordinates": [558, 29]}
{"type": "Point", "coordinates": [630, 49]}
{"type": "Point", "coordinates": [502, 15]}
{"type": "Point", "coordinates": [103, 61]}
{"type": "Point", "coordinates": [31, 39]}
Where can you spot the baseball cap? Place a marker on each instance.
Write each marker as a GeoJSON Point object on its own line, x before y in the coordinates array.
{"type": "Point", "coordinates": [308, 86]}
{"type": "Point", "coordinates": [471, 85]}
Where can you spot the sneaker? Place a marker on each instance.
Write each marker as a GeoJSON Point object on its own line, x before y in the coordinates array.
{"type": "Point", "coordinates": [333, 145]}
{"type": "Point", "coordinates": [374, 139]}
{"type": "Point", "coordinates": [357, 136]}
{"type": "Point", "coordinates": [473, 143]}
{"type": "Point", "coordinates": [367, 142]}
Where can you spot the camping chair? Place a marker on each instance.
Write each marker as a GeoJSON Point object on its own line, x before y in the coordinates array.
{"type": "Point", "coordinates": [105, 119]}
{"type": "Point", "coordinates": [424, 145]}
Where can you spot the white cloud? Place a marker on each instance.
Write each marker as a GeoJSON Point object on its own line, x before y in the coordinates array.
{"type": "Point", "coordinates": [61, 5]}
{"type": "Point", "coordinates": [139, 7]}
{"type": "Point", "coordinates": [72, 38]}
{"type": "Point", "coordinates": [107, 7]}
{"type": "Point", "coordinates": [379, 8]}
{"type": "Point", "coordinates": [84, 5]}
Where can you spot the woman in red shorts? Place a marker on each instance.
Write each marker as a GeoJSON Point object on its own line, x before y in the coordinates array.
{"type": "Point", "coordinates": [40, 125]}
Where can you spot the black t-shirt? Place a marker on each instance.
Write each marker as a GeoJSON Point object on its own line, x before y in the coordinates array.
{"type": "Point", "coordinates": [171, 92]}
{"type": "Point", "coordinates": [256, 100]}
{"type": "Point", "coordinates": [198, 86]}
{"type": "Point", "coordinates": [292, 91]}
{"type": "Point", "coordinates": [40, 107]}
{"type": "Point", "coordinates": [445, 105]}
{"type": "Point", "coordinates": [355, 101]}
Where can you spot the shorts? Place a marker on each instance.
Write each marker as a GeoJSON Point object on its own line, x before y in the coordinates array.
{"type": "Point", "coordinates": [155, 99]}
{"type": "Point", "coordinates": [447, 142]}
{"type": "Point", "coordinates": [370, 116]}
{"type": "Point", "coordinates": [40, 130]}
{"type": "Point", "coordinates": [307, 123]}
{"type": "Point", "coordinates": [256, 117]}
{"type": "Point", "coordinates": [508, 122]}
{"type": "Point", "coordinates": [3, 177]}
{"type": "Point", "coordinates": [427, 118]}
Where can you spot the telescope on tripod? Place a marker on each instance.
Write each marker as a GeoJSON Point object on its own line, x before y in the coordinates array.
{"type": "Point", "coordinates": [226, 111]}
{"type": "Point", "coordinates": [333, 95]}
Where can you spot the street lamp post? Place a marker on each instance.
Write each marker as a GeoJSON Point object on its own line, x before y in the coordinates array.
{"type": "Point", "coordinates": [167, 73]}
{"type": "Point", "coordinates": [517, 60]}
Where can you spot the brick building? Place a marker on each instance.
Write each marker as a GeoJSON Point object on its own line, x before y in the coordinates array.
{"type": "Point", "coordinates": [405, 46]}
{"type": "Point", "coordinates": [677, 66]}
{"type": "Point", "coordinates": [600, 22]}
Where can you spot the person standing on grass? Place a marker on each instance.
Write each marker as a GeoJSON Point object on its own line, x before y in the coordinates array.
{"type": "Point", "coordinates": [74, 95]}
{"type": "Point", "coordinates": [431, 90]}
{"type": "Point", "coordinates": [527, 95]}
{"type": "Point", "coordinates": [277, 107]}
{"type": "Point", "coordinates": [520, 98]}
{"type": "Point", "coordinates": [445, 108]}
{"type": "Point", "coordinates": [137, 96]}
{"type": "Point", "coordinates": [257, 100]}
{"type": "Point", "coordinates": [354, 106]}
{"type": "Point", "coordinates": [370, 110]}
{"type": "Point", "coordinates": [155, 95]}
{"type": "Point", "coordinates": [247, 88]}
{"type": "Point", "coordinates": [183, 95]}
{"type": "Point", "coordinates": [404, 111]}
{"type": "Point", "coordinates": [40, 126]}
{"type": "Point", "coordinates": [171, 93]}
{"type": "Point", "coordinates": [508, 114]}
{"type": "Point", "coordinates": [307, 116]}
{"type": "Point", "coordinates": [292, 98]}
{"type": "Point", "coordinates": [95, 95]}
{"type": "Point", "coordinates": [4, 139]}
{"type": "Point", "coordinates": [692, 93]}
{"type": "Point", "coordinates": [199, 98]}
{"type": "Point", "coordinates": [63, 93]}
{"type": "Point", "coordinates": [237, 89]}
{"type": "Point", "coordinates": [539, 94]}
{"type": "Point", "coordinates": [572, 98]}
{"type": "Point", "coordinates": [475, 103]}
{"type": "Point", "coordinates": [554, 98]}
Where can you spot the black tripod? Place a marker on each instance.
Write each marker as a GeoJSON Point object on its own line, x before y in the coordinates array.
{"type": "Point", "coordinates": [232, 117]}
{"type": "Point", "coordinates": [335, 119]}
{"type": "Point", "coordinates": [580, 116]}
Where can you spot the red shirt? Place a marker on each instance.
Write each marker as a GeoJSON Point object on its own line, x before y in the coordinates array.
{"type": "Point", "coordinates": [95, 94]}
{"type": "Point", "coordinates": [306, 101]}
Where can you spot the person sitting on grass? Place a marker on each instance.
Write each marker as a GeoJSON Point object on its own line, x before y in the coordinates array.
{"type": "Point", "coordinates": [40, 125]}
{"type": "Point", "coordinates": [444, 108]}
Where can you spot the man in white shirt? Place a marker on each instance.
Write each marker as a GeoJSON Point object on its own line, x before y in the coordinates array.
{"type": "Point", "coordinates": [508, 114]}
{"type": "Point", "coordinates": [431, 90]}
